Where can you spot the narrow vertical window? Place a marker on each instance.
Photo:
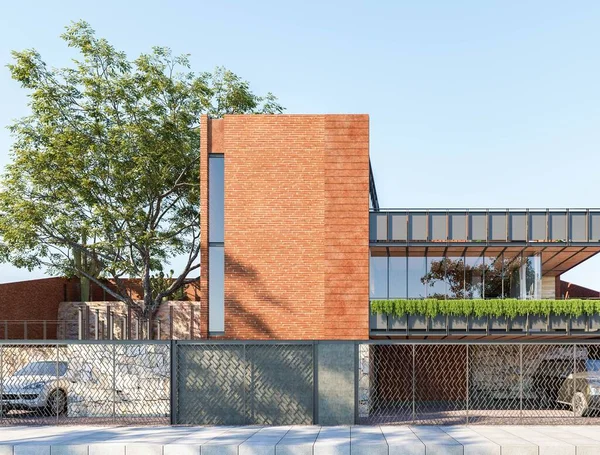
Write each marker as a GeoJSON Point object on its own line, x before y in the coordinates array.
{"type": "Point", "coordinates": [216, 247]}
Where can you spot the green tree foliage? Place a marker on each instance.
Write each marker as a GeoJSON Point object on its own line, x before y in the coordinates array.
{"type": "Point", "coordinates": [104, 176]}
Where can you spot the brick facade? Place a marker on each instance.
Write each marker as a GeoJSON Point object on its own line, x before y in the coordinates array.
{"type": "Point", "coordinates": [296, 225]}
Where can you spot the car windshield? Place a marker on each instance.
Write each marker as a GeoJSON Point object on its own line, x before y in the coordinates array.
{"type": "Point", "coordinates": [592, 365]}
{"type": "Point", "coordinates": [43, 369]}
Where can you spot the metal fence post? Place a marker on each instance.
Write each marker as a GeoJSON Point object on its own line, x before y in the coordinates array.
{"type": "Point", "coordinates": [356, 379]}
{"type": "Point", "coordinates": [57, 379]}
{"type": "Point", "coordinates": [97, 328]}
{"type": "Point", "coordinates": [467, 384]}
{"type": "Point", "coordinates": [315, 382]}
{"type": "Point", "coordinates": [521, 383]}
{"type": "Point", "coordinates": [245, 384]}
{"type": "Point", "coordinates": [114, 381]}
{"type": "Point", "coordinates": [1, 381]}
{"type": "Point", "coordinates": [413, 385]}
{"type": "Point", "coordinates": [174, 383]}
{"type": "Point", "coordinates": [574, 381]}
{"type": "Point", "coordinates": [6, 330]}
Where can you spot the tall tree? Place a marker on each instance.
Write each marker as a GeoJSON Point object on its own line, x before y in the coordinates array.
{"type": "Point", "coordinates": [104, 178]}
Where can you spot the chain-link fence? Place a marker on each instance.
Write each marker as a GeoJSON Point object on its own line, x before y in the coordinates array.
{"type": "Point", "coordinates": [85, 382]}
{"type": "Point", "coordinates": [428, 383]}
{"type": "Point", "coordinates": [292, 383]}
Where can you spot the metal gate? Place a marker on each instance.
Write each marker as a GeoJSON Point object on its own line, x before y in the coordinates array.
{"type": "Point", "coordinates": [244, 383]}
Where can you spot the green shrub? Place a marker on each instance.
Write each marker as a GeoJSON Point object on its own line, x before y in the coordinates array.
{"type": "Point", "coordinates": [482, 308]}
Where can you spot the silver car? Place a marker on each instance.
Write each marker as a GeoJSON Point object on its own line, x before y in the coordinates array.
{"type": "Point", "coordinates": [39, 386]}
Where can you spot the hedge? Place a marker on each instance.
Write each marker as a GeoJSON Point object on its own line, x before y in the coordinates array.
{"type": "Point", "coordinates": [479, 307]}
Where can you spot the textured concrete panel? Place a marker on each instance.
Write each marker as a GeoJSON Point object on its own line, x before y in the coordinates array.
{"type": "Point", "coordinates": [336, 375]}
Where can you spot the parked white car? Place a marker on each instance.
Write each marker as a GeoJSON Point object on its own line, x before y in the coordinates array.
{"type": "Point", "coordinates": [38, 386]}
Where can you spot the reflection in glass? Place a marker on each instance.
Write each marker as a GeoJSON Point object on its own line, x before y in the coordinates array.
{"type": "Point", "coordinates": [216, 289]}
{"type": "Point", "coordinates": [493, 274]}
{"type": "Point", "coordinates": [216, 198]}
{"type": "Point", "coordinates": [455, 277]}
{"type": "Point", "coordinates": [378, 277]}
{"type": "Point", "coordinates": [397, 284]}
{"type": "Point", "coordinates": [416, 271]}
{"type": "Point", "coordinates": [512, 286]}
{"type": "Point", "coordinates": [474, 277]}
{"type": "Point", "coordinates": [434, 278]}
{"type": "Point", "coordinates": [532, 277]}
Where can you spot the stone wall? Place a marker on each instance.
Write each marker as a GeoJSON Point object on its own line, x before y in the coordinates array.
{"type": "Point", "coordinates": [183, 313]}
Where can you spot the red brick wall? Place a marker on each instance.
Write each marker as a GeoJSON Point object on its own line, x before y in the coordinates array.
{"type": "Point", "coordinates": [32, 300]}
{"type": "Point", "coordinates": [296, 225]}
{"type": "Point", "coordinates": [38, 300]}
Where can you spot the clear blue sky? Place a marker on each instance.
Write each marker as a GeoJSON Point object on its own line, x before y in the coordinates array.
{"type": "Point", "coordinates": [472, 104]}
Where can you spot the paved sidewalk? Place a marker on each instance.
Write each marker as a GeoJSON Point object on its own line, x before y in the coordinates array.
{"type": "Point", "coordinates": [301, 440]}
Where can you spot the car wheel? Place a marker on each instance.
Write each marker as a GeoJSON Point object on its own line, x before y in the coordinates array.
{"type": "Point", "coordinates": [57, 403]}
{"type": "Point", "coordinates": [580, 405]}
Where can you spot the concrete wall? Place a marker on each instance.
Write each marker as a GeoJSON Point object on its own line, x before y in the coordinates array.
{"type": "Point", "coordinates": [296, 224]}
{"type": "Point", "coordinates": [336, 376]}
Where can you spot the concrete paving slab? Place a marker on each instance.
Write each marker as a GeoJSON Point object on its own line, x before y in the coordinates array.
{"type": "Point", "coordinates": [298, 441]}
{"type": "Point", "coordinates": [181, 449]}
{"type": "Point", "coordinates": [510, 443]}
{"type": "Point", "coordinates": [402, 441]}
{"type": "Point", "coordinates": [228, 443]}
{"type": "Point", "coordinates": [333, 441]}
{"type": "Point", "coordinates": [437, 441]}
{"type": "Point", "coordinates": [473, 443]}
{"type": "Point", "coordinates": [590, 432]}
{"type": "Point", "coordinates": [264, 441]}
{"type": "Point", "coordinates": [302, 440]}
{"type": "Point", "coordinates": [32, 449]}
{"type": "Point", "coordinates": [69, 449]}
{"type": "Point", "coordinates": [367, 440]}
{"type": "Point", "coordinates": [584, 444]}
{"type": "Point", "coordinates": [103, 449]}
{"type": "Point", "coordinates": [547, 445]}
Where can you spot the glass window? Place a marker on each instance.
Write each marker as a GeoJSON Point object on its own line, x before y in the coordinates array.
{"type": "Point", "coordinates": [397, 284]}
{"type": "Point", "coordinates": [474, 277]}
{"type": "Point", "coordinates": [216, 198]}
{"type": "Point", "coordinates": [216, 289]}
{"type": "Point", "coordinates": [493, 275]}
{"type": "Point", "coordinates": [434, 278]}
{"type": "Point", "coordinates": [416, 271]}
{"type": "Point", "coordinates": [455, 277]}
{"type": "Point", "coordinates": [512, 283]}
{"type": "Point", "coordinates": [532, 277]}
{"type": "Point", "coordinates": [378, 282]}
